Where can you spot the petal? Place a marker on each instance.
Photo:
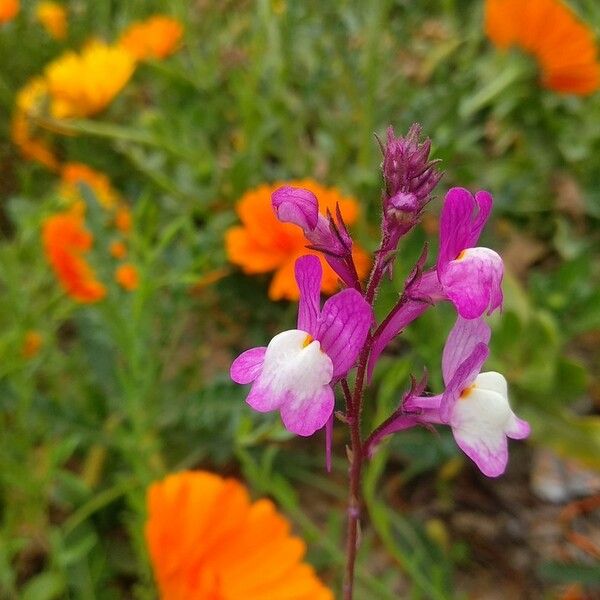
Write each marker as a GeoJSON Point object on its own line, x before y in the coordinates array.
{"type": "Point", "coordinates": [309, 273]}
{"type": "Point", "coordinates": [484, 203]}
{"type": "Point", "coordinates": [463, 338]}
{"type": "Point", "coordinates": [473, 282]}
{"type": "Point", "coordinates": [247, 366]}
{"type": "Point", "coordinates": [304, 417]}
{"type": "Point", "coordinates": [455, 224]}
{"type": "Point", "coordinates": [343, 327]}
{"type": "Point", "coordinates": [517, 429]}
{"type": "Point", "coordinates": [294, 376]}
{"type": "Point", "coordinates": [464, 376]}
{"type": "Point", "coordinates": [296, 205]}
{"type": "Point", "coordinates": [478, 423]}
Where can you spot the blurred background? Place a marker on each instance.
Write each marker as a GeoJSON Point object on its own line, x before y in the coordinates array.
{"type": "Point", "coordinates": [109, 385]}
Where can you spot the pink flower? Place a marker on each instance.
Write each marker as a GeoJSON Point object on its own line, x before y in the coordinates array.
{"type": "Point", "coordinates": [296, 372]}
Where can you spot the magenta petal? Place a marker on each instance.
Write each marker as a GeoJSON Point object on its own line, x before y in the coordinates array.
{"type": "Point", "coordinates": [296, 205]}
{"type": "Point", "coordinates": [247, 366]}
{"type": "Point", "coordinates": [484, 203]}
{"type": "Point", "coordinates": [461, 342]}
{"type": "Point", "coordinates": [491, 456]}
{"type": "Point", "coordinates": [343, 328]}
{"type": "Point", "coordinates": [308, 276]}
{"type": "Point", "coordinates": [473, 282]}
{"type": "Point", "coordinates": [455, 225]}
{"type": "Point", "coordinates": [305, 417]}
{"type": "Point", "coordinates": [464, 376]}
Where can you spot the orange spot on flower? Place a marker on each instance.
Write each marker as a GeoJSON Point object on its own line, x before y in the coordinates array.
{"type": "Point", "coordinates": [53, 18]}
{"type": "Point", "coordinates": [307, 340]}
{"type": "Point", "coordinates": [467, 392]}
{"type": "Point", "coordinates": [83, 84]}
{"type": "Point", "coordinates": [263, 244]}
{"type": "Point", "coordinates": [32, 343]}
{"type": "Point", "coordinates": [127, 277]}
{"type": "Point", "coordinates": [208, 540]}
{"type": "Point", "coordinates": [9, 10]}
{"type": "Point", "coordinates": [75, 174]}
{"type": "Point", "coordinates": [66, 240]}
{"type": "Point", "coordinates": [156, 37]}
{"type": "Point", "coordinates": [461, 255]}
{"type": "Point", "coordinates": [549, 30]}
{"type": "Point", "coordinates": [118, 249]}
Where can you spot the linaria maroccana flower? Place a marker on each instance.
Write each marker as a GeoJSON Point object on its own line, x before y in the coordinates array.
{"type": "Point", "coordinates": [295, 373]}
{"type": "Point", "coordinates": [208, 541]}
{"type": "Point", "coordinates": [474, 404]}
{"type": "Point", "coordinates": [468, 276]}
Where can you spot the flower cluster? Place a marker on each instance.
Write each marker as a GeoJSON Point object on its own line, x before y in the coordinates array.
{"type": "Point", "coordinates": [268, 242]}
{"type": "Point", "coordinates": [208, 540]}
{"type": "Point", "coordinates": [53, 18]}
{"type": "Point", "coordinates": [564, 47]}
{"type": "Point", "coordinates": [297, 371]}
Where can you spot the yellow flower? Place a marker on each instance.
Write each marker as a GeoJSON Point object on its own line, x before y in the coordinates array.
{"type": "Point", "coordinates": [74, 174]}
{"type": "Point", "coordinates": [30, 102]}
{"type": "Point", "coordinates": [8, 10]}
{"type": "Point", "coordinates": [53, 18]}
{"type": "Point", "coordinates": [83, 84]}
{"type": "Point", "coordinates": [156, 37]}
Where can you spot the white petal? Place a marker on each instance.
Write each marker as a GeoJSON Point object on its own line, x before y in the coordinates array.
{"type": "Point", "coordinates": [494, 382]}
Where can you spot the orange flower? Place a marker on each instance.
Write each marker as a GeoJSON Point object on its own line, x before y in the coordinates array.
{"type": "Point", "coordinates": [156, 37]}
{"type": "Point", "coordinates": [208, 541]}
{"type": "Point", "coordinates": [118, 249]}
{"type": "Point", "coordinates": [123, 220]}
{"type": "Point", "coordinates": [263, 244]}
{"type": "Point", "coordinates": [564, 47]}
{"type": "Point", "coordinates": [29, 102]}
{"type": "Point", "coordinates": [127, 277]}
{"type": "Point", "coordinates": [74, 174]}
{"type": "Point", "coordinates": [66, 240]}
{"type": "Point", "coordinates": [8, 10]}
{"type": "Point", "coordinates": [32, 343]}
{"type": "Point", "coordinates": [53, 18]}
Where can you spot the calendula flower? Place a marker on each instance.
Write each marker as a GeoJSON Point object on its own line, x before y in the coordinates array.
{"type": "Point", "coordinates": [156, 37]}
{"type": "Point", "coordinates": [127, 277]}
{"type": "Point", "coordinates": [264, 243]}
{"type": "Point", "coordinates": [564, 46]}
{"type": "Point", "coordinates": [53, 17]}
{"type": "Point", "coordinates": [208, 541]}
{"type": "Point", "coordinates": [66, 241]}
{"type": "Point", "coordinates": [74, 174]}
{"type": "Point", "coordinates": [9, 10]}
{"type": "Point", "coordinates": [296, 372]}
{"type": "Point", "coordinates": [83, 84]}
{"type": "Point", "coordinates": [30, 101]}
{"type": "Point", "coordinates": [474, 404]}
{"type": "Point", "coordinates": [118, 249]}
{"type": "Point", "coordinates": [32, 343]}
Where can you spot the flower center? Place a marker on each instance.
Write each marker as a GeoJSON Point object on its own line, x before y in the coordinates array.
{"type": "Point", "coordinates": [307, 340]}
{"type": "Point", "coordinates": [462, 255]}
{"type": "Point", "coordinates": [467, 392]}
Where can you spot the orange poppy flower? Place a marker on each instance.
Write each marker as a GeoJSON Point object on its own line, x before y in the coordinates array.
{"type": "Point", "coordinates": [263, 244]}
{"type": "Point", "coordinates": [209, 541]}
{"type": "Point", "coordinates": [9, 10]}
{"type": "Point", "coordinates": [127, 277]}
{"type": "Point", "coordinates": [563, 45]}
{"type": "Point", "coordinates": [66, 240]}
{"type": "Point", "coordinates": [73, 174]}
{"type": "Point", "coordinates": [156, 37]}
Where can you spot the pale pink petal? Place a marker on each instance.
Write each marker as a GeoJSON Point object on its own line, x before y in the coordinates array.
{"type": "Point", "coordinates": [461, 342]}
{"type": "Point", "coordinates": [473, 282]}
{"type": "Point", "coordinates": [308, 276]}
{"type": "Point", "coordinates": [247, 366]}
{"type": "Point", "coordinates": [517, 429]}
{"type": "Point", "coordinates": [302, 416]}
{"type": "Point", "coordinates": [490, 455]}
{"type": "Point", "coordinates": [343, 328]}
{"type": "Point", "coordinates": [296, 205]}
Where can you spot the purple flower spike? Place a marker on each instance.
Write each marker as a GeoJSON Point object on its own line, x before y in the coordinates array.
{"type": "Point", "coordinates": [296, 372]}
{"type": "Point", "coordinates": [474, 404]}
{"type": "Point", "coordinates": [327, 235]}
{"type": "Point", "coordinates": [471, 278]}
{"type": "Point", "coordinates": [409, 178]}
